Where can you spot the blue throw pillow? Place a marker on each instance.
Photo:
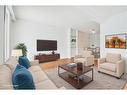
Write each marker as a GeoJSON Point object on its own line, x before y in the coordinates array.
{"type": "Point", "coordinates": [22, 78]}
{"type": "Point", "coordinates": [24, 61]}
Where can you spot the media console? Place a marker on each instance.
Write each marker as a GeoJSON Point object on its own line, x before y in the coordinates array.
{"type": "Point", "coordinates": [47, 57]}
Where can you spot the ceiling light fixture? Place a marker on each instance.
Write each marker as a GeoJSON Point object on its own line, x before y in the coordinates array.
{"type": "Point", "coordinates": [93, 31]}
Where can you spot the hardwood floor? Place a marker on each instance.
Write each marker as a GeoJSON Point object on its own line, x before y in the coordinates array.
{"type": "Point", "coordinates": [53, 64]}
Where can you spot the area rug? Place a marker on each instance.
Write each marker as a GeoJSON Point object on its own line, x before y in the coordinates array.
{"type": "Point", "coordinates": [101, 81]}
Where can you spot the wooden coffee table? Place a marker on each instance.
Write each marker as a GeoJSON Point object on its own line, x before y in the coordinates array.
{"type": "Point", "coordinates": [74, 76]}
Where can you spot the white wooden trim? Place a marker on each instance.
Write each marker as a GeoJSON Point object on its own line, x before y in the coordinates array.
{"type": "Point", "coordinates": [10, 9]}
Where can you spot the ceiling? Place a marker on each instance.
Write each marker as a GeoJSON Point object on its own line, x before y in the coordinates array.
{"type": "Point", "coordinates": [83, 18]}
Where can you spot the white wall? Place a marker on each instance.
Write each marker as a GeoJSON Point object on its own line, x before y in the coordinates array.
{"type": "Point", "coordinates": [23, 31]}
{"type": "Point", "coordinates": [115, 25]}
{"type": "Point", "coordinates": [73, 45]}
{"type": "Point", "coordinates": [1, 33]}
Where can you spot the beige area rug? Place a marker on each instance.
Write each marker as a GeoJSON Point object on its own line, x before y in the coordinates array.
{"type": "Point", "coordinates": [101, 81]}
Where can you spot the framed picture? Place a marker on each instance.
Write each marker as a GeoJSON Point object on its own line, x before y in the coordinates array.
{"type": "Point", "coordinates": [116, 41]}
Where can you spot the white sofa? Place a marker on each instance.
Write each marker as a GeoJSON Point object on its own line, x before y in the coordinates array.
{"type": "Point", "coordinates": [112, 64]}
{"type": "Point", "coordinates": [41, 80]}
{"type": "Point", "coordinates": [86, 58]}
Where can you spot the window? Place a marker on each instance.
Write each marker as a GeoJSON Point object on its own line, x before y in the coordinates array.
{"type": "Point", "coordinates": [7, 34]}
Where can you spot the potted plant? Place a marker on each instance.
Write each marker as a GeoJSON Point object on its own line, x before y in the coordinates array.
{"type": "Point", "coordinates": [23, 47]}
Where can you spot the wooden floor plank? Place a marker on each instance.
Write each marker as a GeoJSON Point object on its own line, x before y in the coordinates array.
{"type": "Point", "coordinates": [53, 64]}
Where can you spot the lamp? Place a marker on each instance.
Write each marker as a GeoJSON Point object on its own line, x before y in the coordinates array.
{"type": "Point", "coordinates": [16, 52]}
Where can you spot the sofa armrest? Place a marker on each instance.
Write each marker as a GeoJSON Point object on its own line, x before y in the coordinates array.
{"type": "Point", "coordinates": [120, 67]}
{"type": "Point", "coordinates": [34, 62]}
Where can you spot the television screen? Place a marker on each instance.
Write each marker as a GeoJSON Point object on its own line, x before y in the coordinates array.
{"type": "Point", "coordinates": [46, 45]}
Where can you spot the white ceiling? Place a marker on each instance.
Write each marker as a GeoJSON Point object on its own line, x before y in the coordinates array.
{"type": "Point", "coordinates": [102, 13]}
{"type": "Point", "coordinates": [83, 18]}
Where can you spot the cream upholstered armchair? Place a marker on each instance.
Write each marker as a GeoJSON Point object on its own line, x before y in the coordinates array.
{"type": "Point", "coordinates": [86, 58]}
{"type": "Point", "coordinates": [112, 64]}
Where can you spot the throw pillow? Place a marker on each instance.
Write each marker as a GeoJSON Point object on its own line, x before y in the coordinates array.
{"type": "Point", "coordinates": [24, 61]}
{"type": "Point", "coordinates": [22, 78]}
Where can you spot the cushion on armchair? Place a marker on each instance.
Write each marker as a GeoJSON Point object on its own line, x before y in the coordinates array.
{"type": "Point", "coordinates": [86, 53]}
{"type": "Point", "coordinates": [109, 66]}
{"type": "Point", "coordinates": [113, 58]}
{"type": "Point", "coordinates": [82, 60]}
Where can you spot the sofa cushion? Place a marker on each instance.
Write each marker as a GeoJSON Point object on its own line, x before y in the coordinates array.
{"type": "Point", "coordinates": [22, 78]}
{"type": "Point", "coordinates": [5, 77]}
{"type": "Point", "coordinates": [47, 84]}
{"type": "Point", "coordinates": [24, 61]}
{"type": "Point", "coordinates": [62, 88]}
{"type": "Point", "coordinates": [38, 76]}
{"type": "Point", "coordinates": [113, 58]}
{"type": "Point", "coordinates": [12, 63]}
{"type": "Point", "coordinates": [34, 68]}
{"type": "Point", "coordinates": [108, 66]}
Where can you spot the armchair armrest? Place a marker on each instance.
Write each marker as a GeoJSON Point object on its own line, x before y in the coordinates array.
{"type": "Point", "coordinates": [90, 60]}
{"type": "Point", "coordinates": [120, 67]}
{"type": "Point", "coordinates": [78, 56]}
{"type": "Point", "coordinates": [100, 61]}
{"type": "Point", "coordinates": [34, 62]}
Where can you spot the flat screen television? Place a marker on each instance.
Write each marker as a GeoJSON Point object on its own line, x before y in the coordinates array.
{"type": "Point", "coordinates": [46, 45]}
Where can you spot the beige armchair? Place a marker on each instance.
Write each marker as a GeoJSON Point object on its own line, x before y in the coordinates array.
{"type": "Point", "coordinates": [112, 64]}
{"type": "Point", "coordinates": [86, 58]}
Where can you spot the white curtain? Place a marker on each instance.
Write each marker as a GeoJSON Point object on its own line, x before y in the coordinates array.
{"type": "Point", "coordinates": [1, 34]}
{"type": "Point", "coordinates": [7, 35]}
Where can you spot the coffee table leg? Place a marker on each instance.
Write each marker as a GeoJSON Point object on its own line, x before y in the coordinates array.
{"type": "Point", "coordinates": [78, 79]}
{"type": "Point", "coordinates": [58, 71]}
{"type": "Point", "coordinates": [92, 74]}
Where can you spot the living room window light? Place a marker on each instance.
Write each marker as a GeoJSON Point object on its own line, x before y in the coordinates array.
{"type": "Point", "coordinates": [9, 15]}
{"type": "Point", "coordinates": [6, 35]}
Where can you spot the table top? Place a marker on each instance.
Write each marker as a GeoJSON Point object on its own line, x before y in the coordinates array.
{"type": "Point", "coordinates": [75, 70]}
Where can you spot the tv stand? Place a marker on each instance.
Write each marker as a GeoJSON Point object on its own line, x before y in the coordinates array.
{"type": "Point", "coordinates": [53, 52]}
{"type": "Point", "coordinates": [47, 57]}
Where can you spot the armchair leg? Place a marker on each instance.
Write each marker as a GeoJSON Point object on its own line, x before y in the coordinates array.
{"type": "Point", "coordinates": [120, 76]}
